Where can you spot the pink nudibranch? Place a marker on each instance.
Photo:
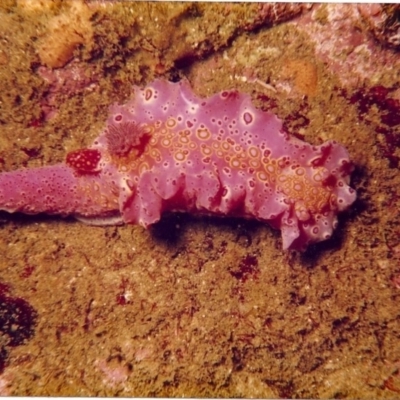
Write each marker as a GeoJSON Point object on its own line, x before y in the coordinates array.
{"type": "Point", "coordinates": [169, 150]}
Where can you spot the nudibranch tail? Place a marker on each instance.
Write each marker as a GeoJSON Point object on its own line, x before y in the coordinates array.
{"type": "Point", "coordinates": [58, 189]}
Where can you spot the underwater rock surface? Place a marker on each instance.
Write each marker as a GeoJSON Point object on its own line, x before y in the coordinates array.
{"type": "Point", "coordinates": [204, 306]}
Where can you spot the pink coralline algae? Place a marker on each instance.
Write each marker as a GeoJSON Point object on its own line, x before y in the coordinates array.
{"type": "Point", "coordinates": [167, 150]}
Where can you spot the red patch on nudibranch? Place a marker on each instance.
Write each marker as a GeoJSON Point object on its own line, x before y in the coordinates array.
{"type": "Point", "coordinates": [125, 136]}
{"type": "Point", "coordinates": [329, 181]}
{"type": "Point", "coordinates": [230, 94]}
{"type": "Point", "coordinates": [84, 161]}
{"type": "Point", "coordinates": [321, 160]}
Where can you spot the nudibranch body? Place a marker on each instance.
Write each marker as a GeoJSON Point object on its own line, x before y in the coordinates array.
{"type": "Point", "coordinates": [169, 150]}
